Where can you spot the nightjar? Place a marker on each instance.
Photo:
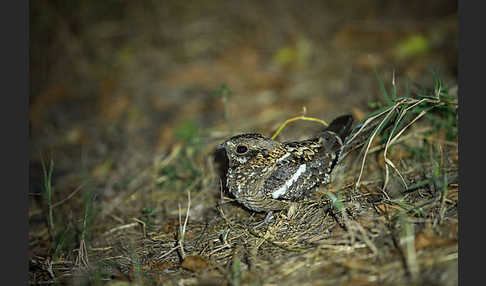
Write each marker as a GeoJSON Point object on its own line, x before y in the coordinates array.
{"type": "Point", "coordinates": [266, 175]}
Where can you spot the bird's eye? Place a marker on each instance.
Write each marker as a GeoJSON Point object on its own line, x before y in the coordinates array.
{"type": "Point", "coordinates": [241, 149]}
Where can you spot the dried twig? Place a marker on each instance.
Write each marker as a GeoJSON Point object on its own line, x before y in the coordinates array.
{"type": "Point", "coordinates": [302, 117]}
{"type": "Point", "coordinates": [69, 196]}
{"type": "Point", "coordinates": [182, 228]}
{"type": "Point", "coordinates": [133, 224]}
{"type": "Point", "coordinates": [144, 226]}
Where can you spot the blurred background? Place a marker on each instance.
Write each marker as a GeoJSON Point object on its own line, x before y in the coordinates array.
{"type": "Point", "coordinates": [118, 87]}
{"type": "Point", "coordinates": [115, 79]}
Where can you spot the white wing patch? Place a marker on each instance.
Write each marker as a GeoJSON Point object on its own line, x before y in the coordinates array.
{"type": "Point", "coordinates": [289, 182]}
{"type": "Point", "coordinates": [283, 157]}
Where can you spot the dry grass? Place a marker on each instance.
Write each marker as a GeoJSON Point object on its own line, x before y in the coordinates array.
{"type": "Point", "coordinates": [367, 227]}
{"type": "Point", "coordinates": [125, 99]}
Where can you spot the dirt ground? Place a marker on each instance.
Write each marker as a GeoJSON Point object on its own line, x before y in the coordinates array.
{"type": "Point", "coordinates": [129, 99]}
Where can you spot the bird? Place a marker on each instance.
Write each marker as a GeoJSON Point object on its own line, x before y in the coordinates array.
{"type": "Point", "coordinates": [266, 175]}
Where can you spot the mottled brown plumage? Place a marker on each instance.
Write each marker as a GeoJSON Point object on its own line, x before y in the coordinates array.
{"type": "Point", "coordinates": [265, 175]}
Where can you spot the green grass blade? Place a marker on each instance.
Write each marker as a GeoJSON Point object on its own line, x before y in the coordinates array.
{"type": "Point", "coordinates": [388, 100]}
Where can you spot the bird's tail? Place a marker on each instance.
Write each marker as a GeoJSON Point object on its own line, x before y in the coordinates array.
{"type": "Point", "coordinates": [334, 136]}
{"type": "Point", "coordinates": [341, 126]}
{"type": "Point", "coordinates": [351, 138]}
{"type": "Point", "coordinates": [359, 134]}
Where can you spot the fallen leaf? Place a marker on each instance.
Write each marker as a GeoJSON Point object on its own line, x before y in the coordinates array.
{"type": "Point", "coordinates": [156, 265]}
{"type": "Point", "coordinates": [425, 240]}
{"type": "Point", "coordinates": [170, 226]}
{"type": "Point", "coordinates": [195, 263]}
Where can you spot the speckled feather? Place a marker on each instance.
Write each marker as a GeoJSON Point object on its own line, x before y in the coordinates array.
{"type": "Point", "coordinates": [266, 175]}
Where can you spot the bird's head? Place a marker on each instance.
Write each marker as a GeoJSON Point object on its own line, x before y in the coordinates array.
{"type": "Point", "coordinates": [242, 148]}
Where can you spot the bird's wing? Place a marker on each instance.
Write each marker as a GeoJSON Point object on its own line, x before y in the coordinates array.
{"type": "Point", "coordinates": [288, 181]}
{"type": "Point", "coordinates": [307, 164]}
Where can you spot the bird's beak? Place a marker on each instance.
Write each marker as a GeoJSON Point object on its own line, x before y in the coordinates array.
{"type": "Point", "coordinates": [220, 147]}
